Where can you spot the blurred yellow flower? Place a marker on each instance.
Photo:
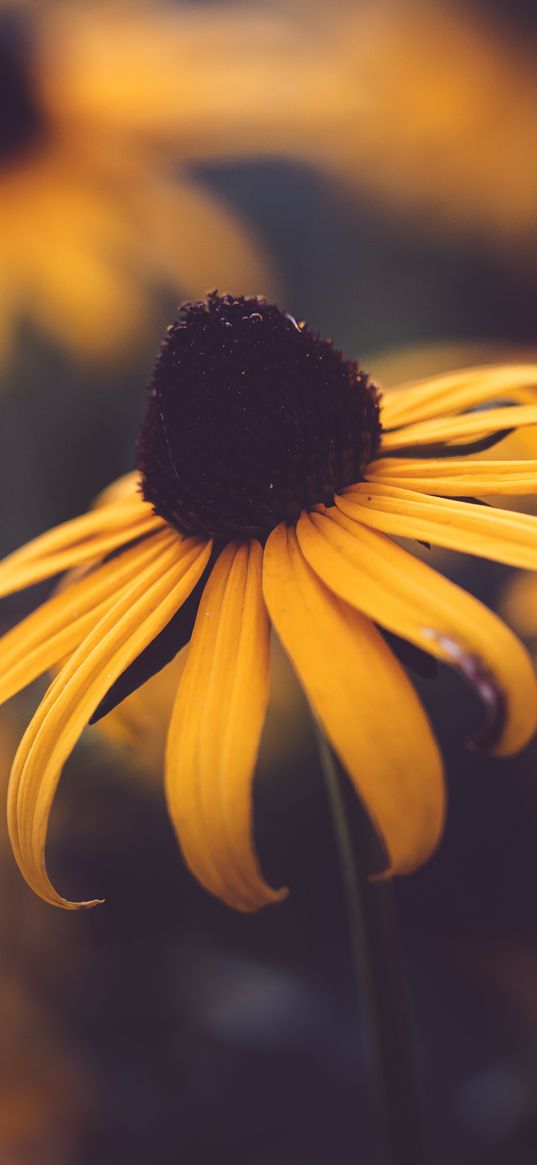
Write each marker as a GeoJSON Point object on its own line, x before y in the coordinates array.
{"type": "Point", "coordinates": [437, 113]}
{"type": "Point", "coordinates": [276, 485]}
{"type": "Point", "coordinates": [96, 106]}
{"type": "Point", "coordinates": [107, 107]}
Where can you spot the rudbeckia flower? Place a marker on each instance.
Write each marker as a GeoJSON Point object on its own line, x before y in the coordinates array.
{"type": "Point", "coordinates": [273, 485]}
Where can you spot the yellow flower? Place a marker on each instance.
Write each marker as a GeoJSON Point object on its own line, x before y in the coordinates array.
{"type": "Point", "coordinates": [433, 110]}
{"type": "Point", "coordinates": [98, 108]}
{"type": "Point", "coordinates": [107, 108]}
{"type": "Point", "coordinates": [272, 486]}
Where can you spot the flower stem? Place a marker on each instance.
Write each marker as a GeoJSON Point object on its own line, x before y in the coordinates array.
{"type": "Point", "coordinates": [377, 957]}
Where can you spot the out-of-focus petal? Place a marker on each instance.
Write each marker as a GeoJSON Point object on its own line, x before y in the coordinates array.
{"type": "Point", "coordinates": [519, 606]}
{"type": "Point", "coordinates": [201, 243]}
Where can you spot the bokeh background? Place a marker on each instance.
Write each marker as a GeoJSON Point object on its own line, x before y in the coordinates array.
{"type": "Point", "coordinates": [373, 165]}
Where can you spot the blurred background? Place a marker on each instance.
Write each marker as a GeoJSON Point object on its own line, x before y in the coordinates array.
{"type": "Point", "coordinates": [373, 166]}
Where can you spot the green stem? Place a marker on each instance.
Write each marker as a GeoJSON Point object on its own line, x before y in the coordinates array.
{"type": "Point", "coordinates": [381, 977]}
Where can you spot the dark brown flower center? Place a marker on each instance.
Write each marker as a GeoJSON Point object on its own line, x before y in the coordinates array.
{"type": "Point", "coordinates": [252, 418]}
{"type": "Point", "coordinates": [22, 120]}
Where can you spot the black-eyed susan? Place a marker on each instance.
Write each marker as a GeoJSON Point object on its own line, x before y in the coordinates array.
{"type": "Point", "coordinates": [273, 483]}
{"type": "Point", "coordinates": [102, 113]}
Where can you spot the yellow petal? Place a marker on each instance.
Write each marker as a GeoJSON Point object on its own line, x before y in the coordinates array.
{"type": "Point", "coordinates": [124, 489]}
{"type": "Point", "coordinates": [406, 596]}
{"type": "Point", "coordinates": [79, 529]}
{"type": "Point", "coordinates": [456, 476]}
{"type": "Point", "coordinates": [140, 612]}
{"type": "Point", "coordinates": [83, 539]}
{"type": "Point", "coordinates": [453, 392]}
{"type": "Point", "coordinates": [467, 426]}
{"type": "Point", "coordinates": [216, 728]}
{"type": "Point", "coordinates": [501, 535]}
{"type": "Point", "coordinates": [364, 702]}
{"type": "Point", "coordinates": [56, 628]}
{"type": "Point", "coordinates": [84, 298]}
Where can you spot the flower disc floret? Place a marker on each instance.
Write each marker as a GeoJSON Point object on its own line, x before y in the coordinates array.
{"type": "Point", "coordinates": [252, 419]}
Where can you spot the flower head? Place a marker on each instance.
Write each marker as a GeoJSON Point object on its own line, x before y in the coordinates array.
{"type": "Point", "coordinates": [273, 482]}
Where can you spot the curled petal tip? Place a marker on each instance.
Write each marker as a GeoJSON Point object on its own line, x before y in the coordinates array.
{"type": "Point", "coordinates": [87, 905]}
{"type": "Point", "coordinates": [486, 687]}
{"type": "Point", "coordinates": [494, 703]}
{"type": "Point", "coordinates": [274, 897]}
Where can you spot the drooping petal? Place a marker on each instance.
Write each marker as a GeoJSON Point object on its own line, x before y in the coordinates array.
{"type": "Point", "coordinates": [81, 540]}
{"type": "Point", "coordinates": [456, 477]}
{"type": "Point", "coordinates": [216, 728]}
{"type": "Point", "coordinates": [79, 530]}
{"type": "Point", "coordinates": [143, 607]}
{"type": "Point", "coordinates": [57, 627]}
{"type": "Point", "coordinates": [404, 595]}
{"type": "Point", "coordinates": [459, 428]}
{"type": "Point", "coordinates": [501, 535]}
{"type": "Point", "coordinates": [364, 702]}
{"type": "Point", "coordinates": [453, 392]}
{"type": "Point", "coordinates": [158, 654]}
